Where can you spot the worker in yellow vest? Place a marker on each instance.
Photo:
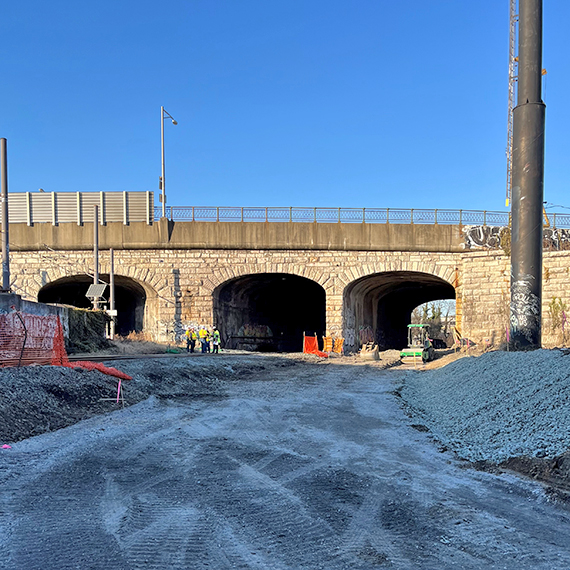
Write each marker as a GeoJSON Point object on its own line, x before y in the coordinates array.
{"type": "Point", "coordinates": [208, 340]}
{"type": "Point", "coordinates": [204, 341]}
{"type": "Point", "coordinates": [216, 340]}
{"type": "Point", "coordinates": [191, 338]}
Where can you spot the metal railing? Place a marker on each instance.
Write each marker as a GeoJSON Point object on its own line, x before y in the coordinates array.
{"type": "Point", "coordinates": [347, 215]}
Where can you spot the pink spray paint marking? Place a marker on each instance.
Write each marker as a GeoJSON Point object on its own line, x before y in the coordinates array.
{"type": "Point", "coordinates": [119, 391]}
{"type": "Point", "coordinates": [6, 446]}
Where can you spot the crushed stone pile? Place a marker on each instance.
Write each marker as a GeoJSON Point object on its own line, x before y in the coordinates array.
{"type": "Point", "coordinates": [496, 406]}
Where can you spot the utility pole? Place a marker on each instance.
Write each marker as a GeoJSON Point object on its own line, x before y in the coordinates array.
{"type": "Point", "coordinates": [528, 184]}
{"type": "Point", "coordinates": [96, 252]}
{"type": "Point", "coordinates": [112, 312]}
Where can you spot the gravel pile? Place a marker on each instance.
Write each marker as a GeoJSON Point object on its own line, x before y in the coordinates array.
{"type": "Point", "coordinates": [498, 405]}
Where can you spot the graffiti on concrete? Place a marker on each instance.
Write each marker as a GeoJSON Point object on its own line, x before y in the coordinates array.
{"type": "Point", "coordinates": [555, 239]}
{"type": "Point", "coordinates": [482, 237]}
{"type": "Point", "coordinates": [491, 237]}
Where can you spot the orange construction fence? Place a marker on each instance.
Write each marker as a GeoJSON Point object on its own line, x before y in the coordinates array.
{"type": "Point", "coordinates": [311, 346]}
{"type": "Point", "coordinates": [330, 344]}
{"type": "Point", "coordinates": [338, 345]}
{"type": "Point", "coordinates": [32, 339]}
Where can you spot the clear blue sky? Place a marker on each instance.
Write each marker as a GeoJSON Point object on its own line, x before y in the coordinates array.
{"type": "Point", "coordinates": [367, 103]}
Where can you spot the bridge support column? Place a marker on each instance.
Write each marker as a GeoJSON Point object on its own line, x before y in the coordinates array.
{"type": "Point", "coordinates": [334, 315]}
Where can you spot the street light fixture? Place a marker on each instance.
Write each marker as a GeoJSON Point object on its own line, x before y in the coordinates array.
{"type": "Point", "coordinates": [162, 178]}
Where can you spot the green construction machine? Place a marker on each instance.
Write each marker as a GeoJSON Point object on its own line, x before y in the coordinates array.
{"type": "Point", "coordinates": [419, 347]}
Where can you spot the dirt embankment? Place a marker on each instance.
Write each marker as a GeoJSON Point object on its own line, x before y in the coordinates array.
{"type": "Point", "coordinates": [39, 399]}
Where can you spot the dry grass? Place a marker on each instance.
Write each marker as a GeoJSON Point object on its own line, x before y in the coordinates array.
{"type": "Point", "coordinates": [132, 344]}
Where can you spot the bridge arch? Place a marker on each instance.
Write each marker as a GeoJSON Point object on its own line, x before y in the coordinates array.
{"type": "Point", "coordinates": [378, 307]}
{"type": "Point", "coordinates": [269, 311]}
{"type": "Point", "coordinates": [131, 299]}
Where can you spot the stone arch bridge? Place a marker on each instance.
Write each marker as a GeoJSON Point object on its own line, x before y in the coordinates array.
{"type": "Point", "coordinates": [264, 284]}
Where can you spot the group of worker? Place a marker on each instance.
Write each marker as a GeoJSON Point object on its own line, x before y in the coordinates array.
{"type": "Point", "coordinates": [209, 339]}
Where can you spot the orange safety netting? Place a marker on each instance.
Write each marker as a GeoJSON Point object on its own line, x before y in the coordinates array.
{"type": "Point", "coordinates": [32, 339]}
{"type": "Point", "coordinates": [311, 346]}
{"type": "Point", "coordinates": [88, 365]}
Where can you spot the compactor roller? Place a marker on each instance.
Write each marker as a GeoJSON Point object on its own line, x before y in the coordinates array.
{"type": "Point", "coordinates": [419, 349]}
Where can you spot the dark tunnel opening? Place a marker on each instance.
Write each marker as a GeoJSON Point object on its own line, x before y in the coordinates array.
{"type": "Point", "coordinates": [378, 308]}
{"type": "Point", "coordinates": [269, 312]}
{"type": "Point", "coordinates": [130, 298]}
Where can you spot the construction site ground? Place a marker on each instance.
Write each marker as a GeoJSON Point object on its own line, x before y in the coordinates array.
{"type": "Point", "coordinates": [286, 462]}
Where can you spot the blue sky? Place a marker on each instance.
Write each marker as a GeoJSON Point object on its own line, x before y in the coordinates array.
{"type": "Point", "coordinates": [278, 102]}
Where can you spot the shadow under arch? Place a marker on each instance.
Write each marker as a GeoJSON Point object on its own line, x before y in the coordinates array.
{"type": "Point", "coordinates": [269, 311]}
{"type": "Point", "coordinates": [379, 307]}
{"type": "Point", "coordinates": [130, 298]}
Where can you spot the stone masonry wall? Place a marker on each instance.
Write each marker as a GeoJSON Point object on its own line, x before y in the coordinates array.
{"type": "Point", "coordinates": [486, 297]}
{"type": "Point", "coordinates": [179, 284]}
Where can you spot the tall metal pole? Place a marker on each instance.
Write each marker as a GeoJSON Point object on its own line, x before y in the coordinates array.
{"type": "Point", "coordinates": [163, 181]}
{"type": "Point", "coordinates": [528, 184]}
{"type": "Point", "coordinates": [4, 216]}
{"type": "Point", "coordinates": [112, 292]}
{"type": "Point", "coordinates": [96, 252]}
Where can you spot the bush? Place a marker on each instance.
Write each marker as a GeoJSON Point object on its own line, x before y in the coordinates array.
{"type": "Point", "coordinates": [87, 331]}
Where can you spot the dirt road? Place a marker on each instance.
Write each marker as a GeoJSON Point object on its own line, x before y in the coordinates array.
{"type": "Point", "coordinates": [304, 466]}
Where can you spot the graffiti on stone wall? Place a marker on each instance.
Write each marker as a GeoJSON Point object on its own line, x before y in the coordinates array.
{"type": "Point", "coordinates": [366, 335]}
{"type": "Point", "coordinates": [349, 332]}
{"type": "Point", "coordinates": [335, 331]}
{"type": "Point", "coordinates": [255, 331]}
{"type": "Point", "coordinates": [349, 339]}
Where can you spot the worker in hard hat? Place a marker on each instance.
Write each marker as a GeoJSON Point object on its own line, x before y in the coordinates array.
{"type": "Point", "coordinates": [204, 341]}
{"type": "Point", "coordinates": [191, 338]}
{"type": "Point", "coordinates": [216, 340]}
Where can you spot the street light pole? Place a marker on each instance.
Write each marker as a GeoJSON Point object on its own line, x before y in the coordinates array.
{"type": "Point", "coordinates": [4, 215]}
{"type": "Point", "coordinates": [162, 178]}
{"type": "Point", "coordinates": [162, 181]}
